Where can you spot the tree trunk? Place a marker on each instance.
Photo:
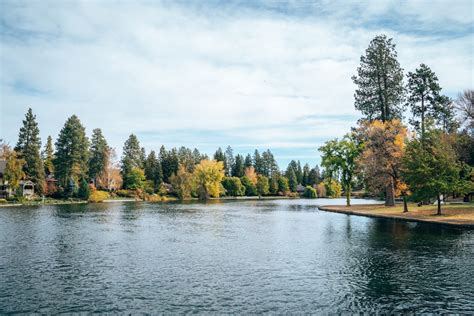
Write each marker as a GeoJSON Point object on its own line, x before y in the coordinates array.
{"type": "Point", "coordinates": [422, 119]}
{"type": "Point", "coordinates": [405, 205]}
{"type": "Point", "coordinates": [348, 195]}
{"type": "Point", "coordinates": [390, 194]}
{"type": "Point", "coordinates": [439, 205]}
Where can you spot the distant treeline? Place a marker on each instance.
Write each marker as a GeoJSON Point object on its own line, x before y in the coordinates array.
{"type": "Point", "coordinates": [75, 164]}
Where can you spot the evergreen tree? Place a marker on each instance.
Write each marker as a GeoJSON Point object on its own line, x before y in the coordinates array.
{"type": "Point", "coordinates": [271, 166]}
{"type": "Point", "coordinates": [306, 172]}
{"type": "Point", "coordinates": [292, 180]}
{"type": "Point", "coordinates": [186, 158]}
{"type": "Point", "coordinates": [48, 157]}
{"type": "Point", "coordinates": [197, 156]}
{"type": "Point", "coordinates": [173, 160]}
{"type": "Point", "coordinates": [274, 184]}
{"type": "Point", "coordinates": [72, 156]}
{"type": "Point", "coordinates": [445, 114]}
{"type": "Point", "coordinates": [132, 157]}
{"type": "Point", "coordinates": [379, 80]}
{"type": "Point", "coordinates": [229, 161]}
{"type": "Point", "coordinates": [84, 190]}
{"type": "Point", "coordinates": [238, 169]}
{"type": "Point", "coordinates": [283, 185]}
{"type": "Point", "coordinates": [98, 155]}
{"type": "Point", "coordinates": [219, 155]}
{"type": "Point", "coordinates": [423, 92]}
{"type": "Point", "coordinates": [28, 148]}
{"type": "Point", "coordinates": [248, 161]}
{"type": "Point", "coordinates": [169, 161]}
{"type": "Point", "coordinates": [314, 176]}
{"type": "Point", "coordinates": [153, 170]}
{"type": "Point", "coordinates": [299, 172]}
{"type": "Point", "coordinates": [258, 163]}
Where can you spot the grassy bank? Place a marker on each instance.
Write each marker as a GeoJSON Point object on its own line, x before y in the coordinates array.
{"type": "Point", "coordinates": [453, 214]}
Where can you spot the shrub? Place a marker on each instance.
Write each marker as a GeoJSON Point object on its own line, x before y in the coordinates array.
{"type": "Point", "coordinates": [233, 186]}
{"type": "Point", "coordinates": [155, 198]}
{"type": "Point", "coordinates": [126, 193]}
{"type": "Point", "coordinates": [283, 185]}
{"type": "Point", "coordinates": [263, 185]}
{"type": "Point", "coordinates": [333, 188]}
{"type": "Point", "coordinates": [3, 201]}
{"type": "Point", "coordinates": [98, 196]}
{"type": "Point", "coordinates": [250, 189]}
{"type": "Point", "coordinates": [310, 192]}
{"type": "Point", "coordinates": [321, 190]}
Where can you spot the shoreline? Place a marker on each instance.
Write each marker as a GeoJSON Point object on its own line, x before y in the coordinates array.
{"type": "Point", "coordinates": [412, 216]}
{"type": "Point", "coordinates": [227, 198]}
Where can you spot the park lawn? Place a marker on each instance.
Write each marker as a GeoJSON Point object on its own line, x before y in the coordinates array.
{"type": "Point", "coordinates": [460, 214]}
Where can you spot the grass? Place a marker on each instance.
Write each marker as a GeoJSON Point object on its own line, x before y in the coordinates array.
{"type": "Point", "coordinates": [462, 214]}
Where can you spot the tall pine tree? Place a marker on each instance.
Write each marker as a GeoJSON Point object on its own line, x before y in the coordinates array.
{"type": "Point", "coordinates": [132, 157]}
{"type": "Point", "coordinates": [153, 170]}
{"type": "Point", "coordinates": [379, 80]}
{"type": "Point", "coordinates": [48, 157]}
{"type": "Point", "coordinates": [98, 155]}
{"type": "Point", "coordinates": [423, 93]}
{"type": "Point", "coordinates": [72, 156]}
{"type": "Point", "coordinates": [28, 148]}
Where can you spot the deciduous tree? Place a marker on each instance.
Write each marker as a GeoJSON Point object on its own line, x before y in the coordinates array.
{"type": "Point", "coordinates": [341, 157]}
{"type": "Point", "coordinates": [380, 161]}
{"type": "Point", "coordinates": [182, 182]}
{"type": "Point", "coordinates": [207, 178]}
{"type": "Point", "coordinates": [431, 168]}
{"type": "Point", "coordinates": [263, 185]}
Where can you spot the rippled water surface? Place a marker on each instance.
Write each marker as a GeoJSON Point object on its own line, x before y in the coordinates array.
{"type": "Point", "coordinates": [248, 257]}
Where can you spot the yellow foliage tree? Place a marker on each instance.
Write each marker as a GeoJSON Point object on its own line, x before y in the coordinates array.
{"type": "Point", "coordinates": [380, 161]}
{"type": "Point", "coordinates": [251, 174]}
{"type": "Point", "coordinates": [207, 177]}
{"type": "Point", "coordinates": [14, 170]}
{"type": "Point", "coordinates": [182, 182]}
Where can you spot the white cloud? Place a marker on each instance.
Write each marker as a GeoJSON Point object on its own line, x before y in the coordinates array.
{"type": "Point", "coordinates": [251, 72]}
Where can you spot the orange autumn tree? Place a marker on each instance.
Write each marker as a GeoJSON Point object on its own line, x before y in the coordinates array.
{"type": "Point", "coordinates": [251, 174]}
{"type": "Point", "coordinates": [381, 159]}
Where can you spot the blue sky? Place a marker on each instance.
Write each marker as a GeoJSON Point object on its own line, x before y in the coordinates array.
{"type": "Point", "coordinates": [250, 74]}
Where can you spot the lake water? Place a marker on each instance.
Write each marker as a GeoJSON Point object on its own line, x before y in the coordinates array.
{"type": "Point", "coordinates": [276, 256]}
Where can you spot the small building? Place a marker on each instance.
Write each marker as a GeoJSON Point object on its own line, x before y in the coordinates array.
{"type": "Point", "coordinates": [27, 187]}
{"type": "Point", "coordinates": [4, 193]}
{"type": "Point", "coordinates": [300, 188]}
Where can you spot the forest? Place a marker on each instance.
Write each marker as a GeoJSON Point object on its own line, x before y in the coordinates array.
{"type": "Point", "coordinates": [412, 143]}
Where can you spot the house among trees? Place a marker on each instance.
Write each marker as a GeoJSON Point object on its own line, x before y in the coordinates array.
{"type": "Point", "coordinates": [26, 188]}
{"type": "Point", "coordinates": [3, 186]}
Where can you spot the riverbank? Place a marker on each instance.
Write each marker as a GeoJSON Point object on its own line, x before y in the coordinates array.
{"type": "Point", "coordinates": [161, 200]}
{"type": "Point", "coordinates": [461, 215]}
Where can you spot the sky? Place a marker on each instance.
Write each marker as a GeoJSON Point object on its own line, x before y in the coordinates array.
{"type": "Point", "coordinates": [208, 74]}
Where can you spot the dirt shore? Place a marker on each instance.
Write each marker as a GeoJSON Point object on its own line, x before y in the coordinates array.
{"type": "Point", "coordinates": [461, 215]}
